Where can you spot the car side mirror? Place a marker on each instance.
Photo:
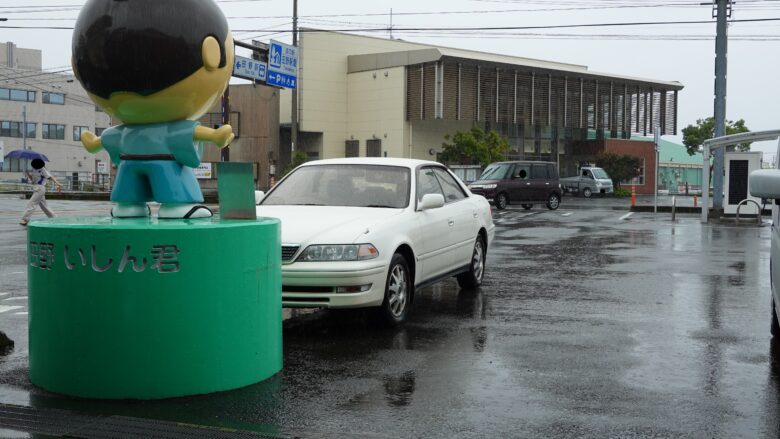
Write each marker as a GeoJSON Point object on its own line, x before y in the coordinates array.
{"type": "Point", "coordinates": [431, 201]}
{"type": "Point", "coordinates": [259, 195]}
{"type": "Point", "coordinates": [765, 183]}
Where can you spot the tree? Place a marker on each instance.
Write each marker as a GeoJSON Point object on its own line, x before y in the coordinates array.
{"type": "Point", "coordinates": [695, 135]}
{"type": "Point", "coordinates": [299, 158]}
{"type": "Point", "coordinates": [474, 147]}
{"type": "Point", "coordinates": [620, 167]}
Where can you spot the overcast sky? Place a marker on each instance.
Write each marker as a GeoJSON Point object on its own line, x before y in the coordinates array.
{"type": "Point", "coordinates": [678, 52]}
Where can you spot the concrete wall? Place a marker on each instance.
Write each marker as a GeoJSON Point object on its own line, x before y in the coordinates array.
{"type": "Point", "coordinates": [27, 59]}
{"type": "Point", "coordinates": [375, 109]}
{"type": "Point", "coordinates": [425, 135]}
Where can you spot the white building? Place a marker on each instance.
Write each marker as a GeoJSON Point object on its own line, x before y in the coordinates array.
{"type": "Point", "coordinates": [46, 111]}
{"type": "Point", "coordinates": [366, 96]}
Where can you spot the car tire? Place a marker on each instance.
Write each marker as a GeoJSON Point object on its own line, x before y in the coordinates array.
{"type": "Point", "coordinates": [775, 328]}
{"type": "Point", "coordinates": [501, 201]}
{"type": "Point", "coordinates": [473, 278]}
{"type": "Point", "coordinates": [527, 206]}
{"type": "Point", "coordinates": [587, 192]}
{"type": "Point", "coordinates": [395, 306]}
{"type": "Point", "coordinates": [553, 202]}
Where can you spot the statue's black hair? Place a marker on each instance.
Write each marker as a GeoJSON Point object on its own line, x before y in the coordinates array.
{"type": "Point", "coordinates": [143, 46]}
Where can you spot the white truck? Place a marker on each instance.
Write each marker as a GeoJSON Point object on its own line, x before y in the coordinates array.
{"type": "Point", "coordinates": [588, 181]}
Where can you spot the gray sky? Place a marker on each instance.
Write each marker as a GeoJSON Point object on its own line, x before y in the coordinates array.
{"type": "Point", "coordinates": [683, 53]}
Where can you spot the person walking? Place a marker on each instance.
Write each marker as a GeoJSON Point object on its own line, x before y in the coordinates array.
{"type": "Point", "coordinates": [38, 177]}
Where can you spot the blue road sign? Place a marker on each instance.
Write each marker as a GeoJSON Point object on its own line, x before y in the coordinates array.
{"type": "Point", "coordinates": [249, 69]}
{"type": "Point", "coordinates": [282, 65]}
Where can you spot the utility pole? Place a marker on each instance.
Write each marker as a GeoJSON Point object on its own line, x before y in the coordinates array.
{"type": "Point", "coordinates": [721, 10]}
{"type": "Point", "coordinates": [224, 153]}
{"type": "Point", "coordinates": [294, 106]}
{"type": "Point", "coordinates": [24, 127]}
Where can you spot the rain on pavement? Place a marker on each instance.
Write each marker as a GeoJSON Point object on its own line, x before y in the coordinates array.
{"type": "Point", "coordinates": [587, 325]}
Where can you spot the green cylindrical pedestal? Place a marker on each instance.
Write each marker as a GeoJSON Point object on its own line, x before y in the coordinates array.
{"type": "Point", "coordinates": [144, 309]}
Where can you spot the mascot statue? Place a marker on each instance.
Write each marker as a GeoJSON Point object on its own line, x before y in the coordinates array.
{"type": "Point", "coordinates": [156, 66]}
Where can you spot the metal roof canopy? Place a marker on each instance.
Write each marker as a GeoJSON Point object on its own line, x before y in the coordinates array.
{"type": "Point", "coordinates": [383, 60]}
{"type": "Point", "coordinates": [718, 142]}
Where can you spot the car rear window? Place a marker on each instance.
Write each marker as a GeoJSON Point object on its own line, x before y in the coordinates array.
{"type": "Point", "coordinates": [496, 171]}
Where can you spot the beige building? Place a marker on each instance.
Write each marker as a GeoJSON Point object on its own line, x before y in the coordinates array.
{"type": "Point", "coordinates": [366, 96]}
{"type": "Point", "coordinates": [46, 111]}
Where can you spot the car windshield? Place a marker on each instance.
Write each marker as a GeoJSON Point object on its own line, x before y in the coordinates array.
{"type": "Point", "coordinates": [599, 173]}
{"type": "Point", "coordinates": [351, 185]}
{"type": "Point", "coordinates": [496, 171]}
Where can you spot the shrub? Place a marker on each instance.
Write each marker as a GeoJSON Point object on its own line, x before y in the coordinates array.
{"type": "Point", "coordinates": [621, 192]}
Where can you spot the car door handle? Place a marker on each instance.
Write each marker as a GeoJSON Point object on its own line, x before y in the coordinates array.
{"type": "Point", "coordinates": [451, 222]}
{"type": "Point", "coordinates": [547, 184]}
{"type": "Point", "coordinates": [528, 184]}
{"type": "Point", "coordinates": [476, 214]}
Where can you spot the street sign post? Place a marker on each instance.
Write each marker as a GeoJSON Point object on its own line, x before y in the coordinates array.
{"type": "Point", "coordinates": [282, 65]}
{"type": "Point", "coordinates": [250, 69]}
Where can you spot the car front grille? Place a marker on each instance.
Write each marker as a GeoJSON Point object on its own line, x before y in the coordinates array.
{"type": "Point", "coordinates": [288, 251]}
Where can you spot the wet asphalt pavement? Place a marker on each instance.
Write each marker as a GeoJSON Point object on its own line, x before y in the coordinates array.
{"type": "Point", "coordinates": [587, 325]}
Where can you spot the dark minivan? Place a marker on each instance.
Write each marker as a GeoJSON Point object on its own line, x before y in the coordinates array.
{"type": "Point", "coordinates": [525, 183]}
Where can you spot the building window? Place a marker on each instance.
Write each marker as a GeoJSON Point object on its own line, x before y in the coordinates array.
{"type": "Point", "coordinates": [77, 132]}
{"type": "Point", "coordinates": [10, 129]}
{"type": "Point", "coordinates": [53, 131]}
{"type": "Point", "coordinates": [639, 180]}
{"type": "Point", "coordinates": [53, 98]}
{"type": "Point", "coordinates": [352, 148]}
{"type": "Point", "coordinates": [374, 148]}
{"type": "Point", "coordinates": [17, 95]}
{"type": "Point", "coordinates": [30, 132]}
{"type": "Point", "coordinates": [99, 131]}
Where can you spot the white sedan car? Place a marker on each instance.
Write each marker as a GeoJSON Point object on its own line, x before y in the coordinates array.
{"type": "Point", "coordinates": [369, 232]}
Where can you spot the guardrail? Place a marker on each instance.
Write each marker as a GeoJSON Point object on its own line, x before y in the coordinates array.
{"type": "Point", "coordinates": [758, 208]}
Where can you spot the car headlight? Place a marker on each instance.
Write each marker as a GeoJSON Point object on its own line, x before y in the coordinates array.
{"type": "Point", "coordinates": [336, 252]}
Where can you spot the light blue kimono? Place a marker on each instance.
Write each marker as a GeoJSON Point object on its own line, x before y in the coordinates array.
{"type": "Point", "coordinates": [155, 162]}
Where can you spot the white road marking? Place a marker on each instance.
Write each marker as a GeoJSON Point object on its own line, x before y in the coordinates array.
{"type": "Point", "coordinates": [566, 214]}
{"type": "Point", "coordinates": [16, 298]}
{"type": "Point", "coordinates": [626, 216]}
{"type": "Point", "coordinates": [4, 308]}
{"type": "Point", "coordinates": [24, 313]}
{"type": "Point", "coordinates": [4, 294]}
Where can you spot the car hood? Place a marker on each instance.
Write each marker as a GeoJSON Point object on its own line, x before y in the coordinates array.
{"type": "Point", "coordinates": [484, 182]}
{"type": "Point", "coordinates": [326, 224]}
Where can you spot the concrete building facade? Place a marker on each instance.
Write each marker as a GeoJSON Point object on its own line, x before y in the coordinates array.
{"type": "Point", "coordinates": [46, 111]}
{"type": "Point", "coordinates": [366, 96]}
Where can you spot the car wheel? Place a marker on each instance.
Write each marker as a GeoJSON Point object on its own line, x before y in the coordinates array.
{"type": "Point", "coordinates": [587, 192]}
{"type": "Point", "coordinates": [397, 300]}
{"type": "Point", "coordinates": [473, 277]}
{"type": "Point", "coordinates": [775, 329]}
{"type": "Point", "coordinates": [553, 202]}
{"type": "Point", "coordinates": [527, 206]}
{"type": "Point", "coordinates": [501, 201]}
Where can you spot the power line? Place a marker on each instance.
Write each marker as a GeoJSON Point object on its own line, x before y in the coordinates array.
{"type": "Point", "coordinates": [424, 29]}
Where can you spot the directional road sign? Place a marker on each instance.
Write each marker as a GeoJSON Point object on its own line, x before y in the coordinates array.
{"type": "Point", "coordinates": [248, 68]}
{"type": "Point", "coordinates": [282, 65]}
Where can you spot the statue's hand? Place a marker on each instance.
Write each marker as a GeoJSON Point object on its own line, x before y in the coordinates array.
{"type": "Point", "coordinates": [91, 142]}
{"type": "Point", "coordinates": [223, 136]}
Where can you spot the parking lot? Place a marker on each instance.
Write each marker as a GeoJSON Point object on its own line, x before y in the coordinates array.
{"type": "Point", "coordinates": [591, 322]}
